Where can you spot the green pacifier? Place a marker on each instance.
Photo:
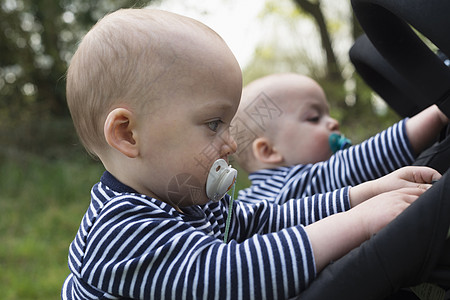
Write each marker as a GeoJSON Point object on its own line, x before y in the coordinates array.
{"type": "Point", "coordinates": [338, 142]}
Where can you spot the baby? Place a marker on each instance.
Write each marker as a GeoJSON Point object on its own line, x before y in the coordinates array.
{"type": "Point", "coordinates": [152, 95]}
{"type": "Point", "coordinates": [286, 140]}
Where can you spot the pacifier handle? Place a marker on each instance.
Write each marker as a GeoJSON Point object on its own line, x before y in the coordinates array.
{"type": "Point", "coordinates": [221, 178]}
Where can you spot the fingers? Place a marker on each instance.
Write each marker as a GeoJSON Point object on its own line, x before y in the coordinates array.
{"type": "Point", "coordinates": [413, 191]}
{"type": "Point", "coordinates": [378, 211]}
{"type": "Point", "coordinates": [419, 174]}
{"type": "Point", "coordinates": [443, 117]}
{"type": "Point", "coordinates": [426, 175]}
{"type": "Point", "coordinates": [406, 195]}
{"type": "Point", "coordinates": [420, 178]}
{"type": "Point", "coordinates": [424, 186]}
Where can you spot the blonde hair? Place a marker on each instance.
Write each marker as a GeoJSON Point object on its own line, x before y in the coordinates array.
{"type": "Point", "coordinates": [123, 60]}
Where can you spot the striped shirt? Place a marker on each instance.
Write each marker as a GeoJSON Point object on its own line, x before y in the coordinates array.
{"type": "Point", "coordinates": [373, 158]}
{"type": "Point", "coordinates": [136, 247]}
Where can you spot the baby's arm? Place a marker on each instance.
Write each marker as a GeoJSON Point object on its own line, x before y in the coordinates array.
{"type": "Point", "coordinates": [379, 155]}
{"type": "Point", "coordinates": [420, 177]}
{"type": "Point", "coordinates": [375, 157]}
{"type": "Point", "coordinates": [333, 237]}
{"type": "Point", "coordinates": [423, 128]}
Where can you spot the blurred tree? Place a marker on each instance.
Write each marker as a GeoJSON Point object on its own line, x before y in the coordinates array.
{"type": "Point", "coordinates": [314, 9]}
{"type": "Point", "coordinates": [320, 33]}
{"type": "Point", "coordinates": [38, 38]}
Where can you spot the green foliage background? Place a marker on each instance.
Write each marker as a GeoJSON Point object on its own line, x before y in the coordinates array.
{"type": "Point", "coordinates": [41, 202]}
{"type": "Point", "coordinates": [45, 175]}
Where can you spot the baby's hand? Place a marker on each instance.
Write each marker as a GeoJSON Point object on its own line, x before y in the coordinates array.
{"type": "Point", "coordinates": [336, 235]}
{"type": "Point", "coordinates": [408, 177]}
{"type": "Point", "coordinates": [377, 212]}
{"type": "Point", "coordinates": [421, 177]}
{"type": "Point", "coordinates": [444, 119]}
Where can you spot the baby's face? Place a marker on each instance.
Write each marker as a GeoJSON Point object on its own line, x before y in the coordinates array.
{"type": "Point", "coordinates": [190, 128]}
{"type": "Point", "coordinates": [303, 129]}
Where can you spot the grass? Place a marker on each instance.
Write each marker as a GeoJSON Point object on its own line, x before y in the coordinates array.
{"type": "Point", "coordinates": [41, 204]}
{"type": "Point", "coordinates": [42, 201]}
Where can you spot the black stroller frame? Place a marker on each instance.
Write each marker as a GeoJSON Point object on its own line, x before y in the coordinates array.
{"type": "Point", "coordinates": [413, 249]}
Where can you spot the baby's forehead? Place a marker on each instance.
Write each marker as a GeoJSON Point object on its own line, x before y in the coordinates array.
{"type": "Point", "coordinates": [287, 95]}
{"type": "Point", "coordinates": [305, 100]}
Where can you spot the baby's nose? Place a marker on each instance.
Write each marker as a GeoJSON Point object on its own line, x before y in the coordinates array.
{"type": "Point", "coordinates": [333, 124]}
{"type": "Point", "coordinates": [230, 145]}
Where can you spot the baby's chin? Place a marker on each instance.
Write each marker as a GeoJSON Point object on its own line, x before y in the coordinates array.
{"type": "Point", "coordinates": [186, 190]}
{"type": "Point", "coordinates": [325, 157]}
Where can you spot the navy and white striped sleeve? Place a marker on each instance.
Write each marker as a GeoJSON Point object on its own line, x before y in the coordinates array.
{"type": "Point", "coordinates": [373, 158]}
{"type": "Point", "coordinates": [139, 253]}
{"type": "Point", "coordinates": [135, 249]}
{"type": "Point", "coordinates": [265, 217]}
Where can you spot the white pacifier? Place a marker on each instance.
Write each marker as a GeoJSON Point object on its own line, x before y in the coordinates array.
{"type": "Point", "coordinates": [221, 178]}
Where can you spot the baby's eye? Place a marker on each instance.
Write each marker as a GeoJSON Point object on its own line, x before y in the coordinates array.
{"type": "Point", "coordinates": [214, 125]}
{"type": "Point", "coordinates": [314, 119]}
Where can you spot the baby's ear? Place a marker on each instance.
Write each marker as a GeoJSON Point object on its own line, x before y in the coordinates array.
{"type": "Point", "coordinates": [120, 131]}
{"type": "Point", "coordinates": [264, 151]}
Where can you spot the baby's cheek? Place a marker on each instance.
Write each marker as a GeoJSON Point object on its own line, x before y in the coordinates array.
{"type": "Point", "coordinates": [322, 148]}
{"type": "Point", "coordinates": [186, 189]}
